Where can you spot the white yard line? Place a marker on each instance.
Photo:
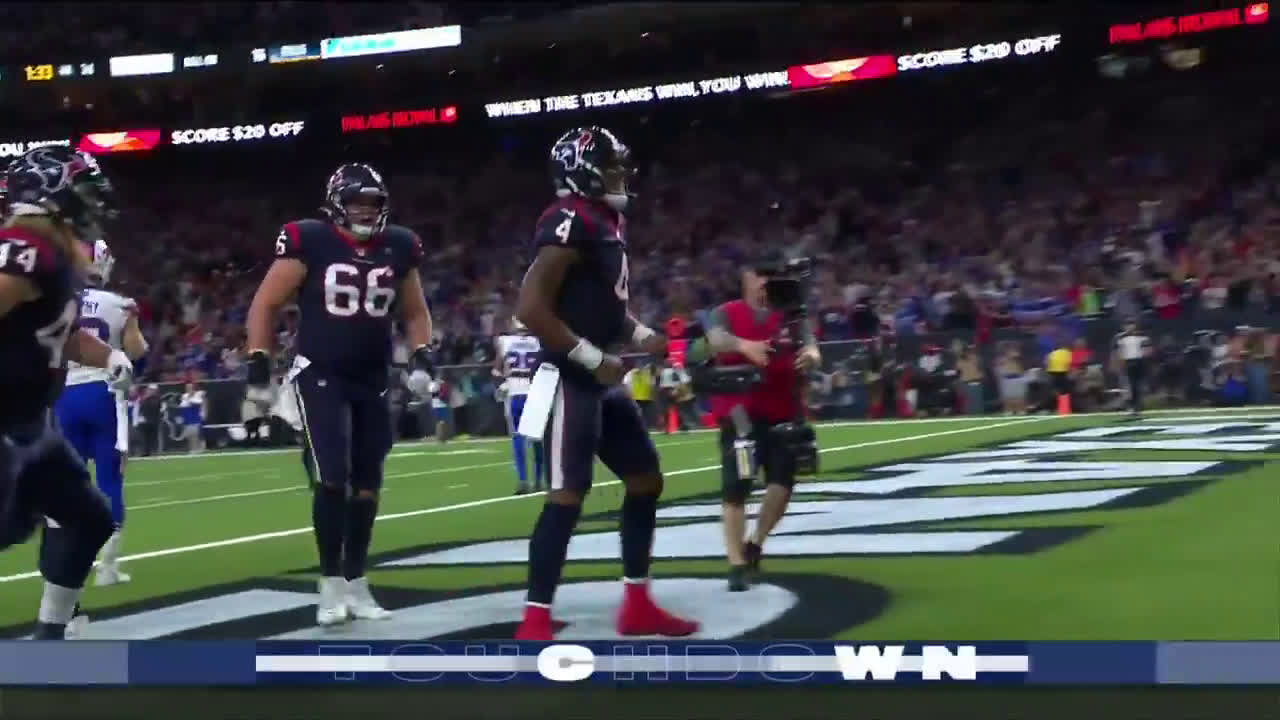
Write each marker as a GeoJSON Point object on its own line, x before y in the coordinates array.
{"type": "Point", "coordinates": [510, 498]}
{"type": "Point", "coordinates": [228, 496]}
{"type": "Point", "coordinates": [659, 437]}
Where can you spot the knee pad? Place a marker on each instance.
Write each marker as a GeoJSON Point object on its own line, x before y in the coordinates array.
{"type": "Point", "coordinates": [645, 485]}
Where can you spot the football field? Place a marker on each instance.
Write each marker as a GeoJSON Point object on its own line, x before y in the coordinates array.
{"type": "Point", "coordinates": [1087, 527]}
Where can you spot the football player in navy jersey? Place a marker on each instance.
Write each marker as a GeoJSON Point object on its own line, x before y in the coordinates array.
{"type": "Point", "coordinates": [574, 299]}
{"type": "Point", "coordinates": [57, 199]}
{"type": "Point", "coordinates": [352, 273]}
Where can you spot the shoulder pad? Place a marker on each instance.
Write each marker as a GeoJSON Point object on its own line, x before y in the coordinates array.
{"type": "Point", "coordinates": [402, 236]}
{"type": "Point", "coordinates": [566, 224]}
{"type": "Point", "coordinates": [291, 238]}
{"type": "Point", "coordinates": [26, 253]}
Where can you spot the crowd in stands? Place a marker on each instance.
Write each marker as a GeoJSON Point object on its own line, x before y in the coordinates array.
{"type": "Point", "coordinates": [1124, 205]}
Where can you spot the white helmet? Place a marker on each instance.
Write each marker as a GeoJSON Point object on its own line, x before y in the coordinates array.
{"type": "Point", "coordinates": [101, 263]}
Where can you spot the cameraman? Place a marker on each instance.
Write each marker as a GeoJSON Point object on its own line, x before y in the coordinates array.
{"type": "Point", "coordinates": [748, 331]}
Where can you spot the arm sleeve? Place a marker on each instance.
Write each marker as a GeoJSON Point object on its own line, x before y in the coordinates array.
{"type": "Point", "coordinates": [564, 227]}
{"type": "Point", "coordinates": [289, 242]}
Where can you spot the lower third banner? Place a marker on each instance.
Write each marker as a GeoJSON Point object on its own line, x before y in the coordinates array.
{"type": "Point", "coordinates": [150, 663]}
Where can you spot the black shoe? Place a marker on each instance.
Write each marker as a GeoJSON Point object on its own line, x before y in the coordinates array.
{"type": "Point", "coordinates": [522, 490]}
{"type": "Point", "coordinates": [738, 578]}
{"type": "Point", "coordinates": [752, 552]}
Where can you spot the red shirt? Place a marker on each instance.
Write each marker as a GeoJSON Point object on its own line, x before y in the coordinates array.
{"type": "Point", "coordinates": [774, 400]}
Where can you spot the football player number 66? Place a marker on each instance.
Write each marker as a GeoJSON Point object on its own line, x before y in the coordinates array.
{"type": "Point", "coordinates": [342, 297]}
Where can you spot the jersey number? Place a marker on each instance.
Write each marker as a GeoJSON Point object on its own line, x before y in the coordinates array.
{"type": "Point", "coordinates": [22, 256]}
{"type": "Point", "coordinates": [565, 228]}
{"type": "Point", "coordinates": [282, 243]}
{"type": "Point", "coordinates": [620, 287]}
{"type": "Point", "coordinates": [344, 300]}
{"type": "Point", "coordinates": [519, 361]}
{"type": "Point", "coordinates": [97, 326]}
{"type": "Point", "coordinates": [53, 337]}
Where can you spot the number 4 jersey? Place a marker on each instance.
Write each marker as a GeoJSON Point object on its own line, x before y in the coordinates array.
{"type": "Point", "coordinates": [33, 334]}
{"type": "Point", "coordinates": [593, 295]}
{"type": "Point", "coordinates": [348, 300]}
{"type": "Point", "coordinates": [104, 314]}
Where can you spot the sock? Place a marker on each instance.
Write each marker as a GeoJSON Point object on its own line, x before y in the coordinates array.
{"type": "Point", "coordinates": [517, 446]}
{"type": "Point", "coordinates": [328, 513]}
{"type": "Point", "coordinates": [547, 549]}
{"type": "Point", "coordinates": [537, 464]}
{"type": "Point", "coordinates": [639, 518]}
{"type": "Point", "coordinates": [360, 515]}
{"type": "Point", "coordinates": [111, 551]}
{"type": "Point", "coordinates": [58, 604]}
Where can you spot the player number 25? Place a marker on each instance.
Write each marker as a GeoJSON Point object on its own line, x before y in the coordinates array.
{"type": "Point", "coordinates": [343, 299]}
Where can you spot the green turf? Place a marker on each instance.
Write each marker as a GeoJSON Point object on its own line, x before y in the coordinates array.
{"type": "Point", "coordinates": [1204, 565]}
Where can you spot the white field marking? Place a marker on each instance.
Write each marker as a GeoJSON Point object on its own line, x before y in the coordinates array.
{"type": "Point", "coordinates": [507, 498]}
{"type": "Point", "coordinates": [229, 496]}
{"type": "Point", "coordinates": [455, 487]}
{"type": "Point", "coordinates": [207, 477]}
{"type": "Point", "coordinates": [658, 436]}
{"type": "Point", "coordinates": [441, 453]}
{"type": "Point", "coordinates": [439, 471]}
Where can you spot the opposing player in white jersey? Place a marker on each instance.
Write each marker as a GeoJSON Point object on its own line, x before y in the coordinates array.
{"type": "Point", "coordinates": [514, 361]}
{"type": "Point", "coordinates": [94, 417]}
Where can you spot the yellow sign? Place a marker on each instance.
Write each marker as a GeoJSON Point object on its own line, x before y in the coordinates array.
{"type": "Point", "coordinates": [39, 72]}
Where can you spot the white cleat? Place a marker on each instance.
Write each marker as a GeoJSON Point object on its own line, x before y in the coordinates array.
{"type": "Point", "coordinates": [110, 574]}
{"type": "Point", "coordinates": [331, 610]}
{"type": "Point", "coordinates": [360, 601]}
{"type": "Point", "coordinates": [77, 626]}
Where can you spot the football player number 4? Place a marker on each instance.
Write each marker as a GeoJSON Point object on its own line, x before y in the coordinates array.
{"type": "Point", "coordinates": [19, 255]}
{"type": "Point", "coordinates": [345, 293]}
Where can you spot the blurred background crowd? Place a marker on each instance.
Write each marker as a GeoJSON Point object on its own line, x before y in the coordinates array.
{"type": "Point", "coordinates": [944, 210]}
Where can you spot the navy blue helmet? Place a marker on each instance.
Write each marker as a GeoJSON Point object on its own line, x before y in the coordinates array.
{"type": "Point", "coordinates": [357, 199]}
{"type": "Point", "coordinates": [62, 183]}
{"type": "Point", "coordinates": [594, 163]}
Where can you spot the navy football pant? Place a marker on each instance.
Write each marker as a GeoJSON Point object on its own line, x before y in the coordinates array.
{"type": "Point", "coordinates": [347, 430]}
{"type": "Point", "coordinates": [591, 421]}
{"type": "Point", "coordinates": [41, 476]}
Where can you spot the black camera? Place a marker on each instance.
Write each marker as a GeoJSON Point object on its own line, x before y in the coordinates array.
{"type": "Point", "coordinates": [786, 285]}
{"type": "Point", "coordinates": [801, 444]}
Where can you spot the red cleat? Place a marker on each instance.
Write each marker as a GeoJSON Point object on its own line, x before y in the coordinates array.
{"type": "Point", "coordinates": [536, 626]}
{"type": "Point", "coordinates": [639, 615]}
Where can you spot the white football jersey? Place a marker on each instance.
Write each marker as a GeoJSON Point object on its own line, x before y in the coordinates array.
{"type": "Point", "coordinates": [104, 314]}
{"type": "Point", "coordinates": [519, 355]}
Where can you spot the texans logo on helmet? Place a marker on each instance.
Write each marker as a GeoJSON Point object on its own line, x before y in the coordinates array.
{"type": "Point", "coordinates": [567, 156]}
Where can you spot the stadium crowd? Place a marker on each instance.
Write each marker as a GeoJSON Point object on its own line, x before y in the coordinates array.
{"type": "Point", "coordinates": [1006, 217]}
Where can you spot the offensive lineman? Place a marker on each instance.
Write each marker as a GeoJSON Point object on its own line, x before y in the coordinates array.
{"type": "Point", "coordinates": [92, 416]}
{"type": "Point", "coordinates": [351, 273]}
{"type": "Point", "coordinates": [514, 362]}
{"type": "Point", "coordinates": [574, 299]}
{"type": "Point", "coordinates": [57, 198]}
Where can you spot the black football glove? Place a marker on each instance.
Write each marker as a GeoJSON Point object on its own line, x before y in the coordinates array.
{"type": "Point", "coordinates": [259, 367]}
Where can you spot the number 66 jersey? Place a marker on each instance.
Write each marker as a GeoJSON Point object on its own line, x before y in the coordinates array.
{"type": "Point", "coordinates": [348, 300]}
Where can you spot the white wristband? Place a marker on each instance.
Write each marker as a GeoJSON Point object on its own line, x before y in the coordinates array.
{"type": "Point", "coordinates": [641, 333]}
{"type": "Point", "coordinates": [587, 355]}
